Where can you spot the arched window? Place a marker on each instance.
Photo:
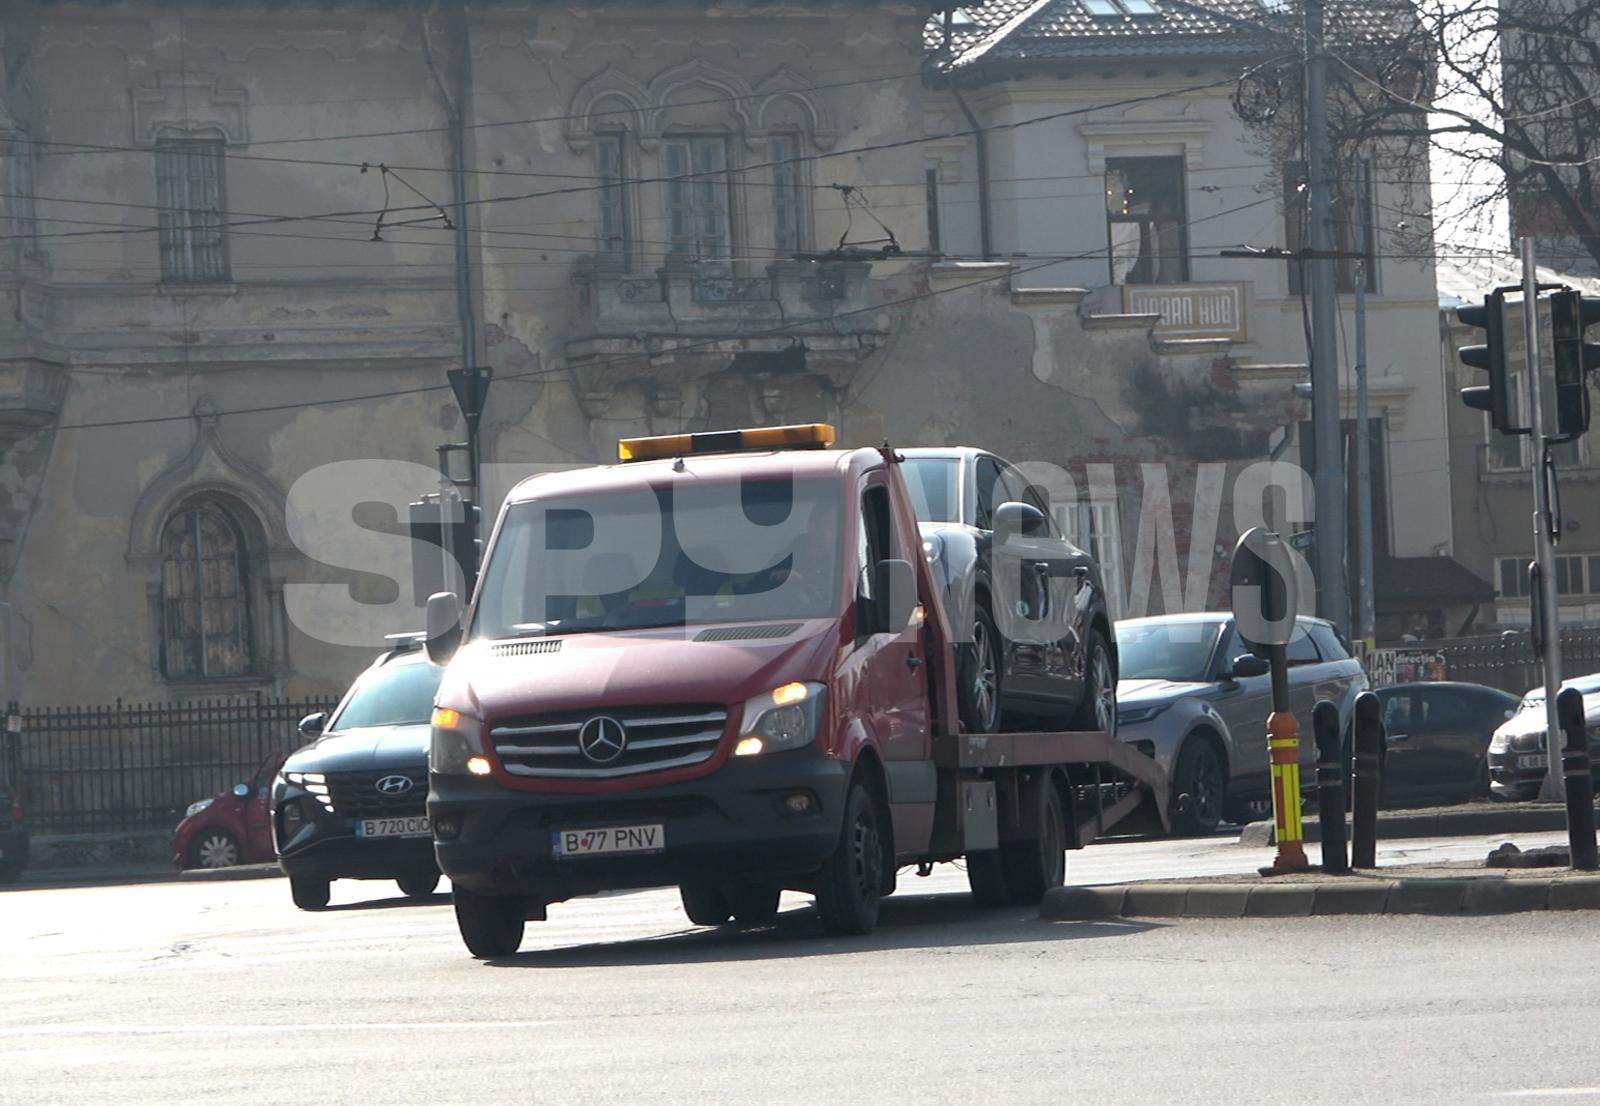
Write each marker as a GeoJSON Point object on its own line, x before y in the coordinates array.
{"type": "Point", "coordinates": [205, 598]}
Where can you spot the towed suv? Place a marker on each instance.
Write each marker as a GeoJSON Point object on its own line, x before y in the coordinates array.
{"type": "Point", "coordinates": [351, 806]}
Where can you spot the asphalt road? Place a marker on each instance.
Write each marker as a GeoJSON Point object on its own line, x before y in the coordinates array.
{"type": "Point", "coordinates": [222, 992]}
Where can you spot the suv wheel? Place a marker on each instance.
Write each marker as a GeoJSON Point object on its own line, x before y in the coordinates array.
{"type": "Point", "coordinates": [491, 925]}
{"type": "Point", "coordinates": [850, 888]}
{"type": "Point", "coordinates": [1098, 708]}
{"type": "Point", "coordinates": [753, 902]}
{"type": "Point", "coordinates": [978, 681]}
{"type": "Point", "coordinates": [418, 885]}
{"type": "Point", "coordinates": [1199, 775]}
{"type": "Point", "coordinates": [705, 904]}
{"type": "Point", "coordinates": [308, 892]}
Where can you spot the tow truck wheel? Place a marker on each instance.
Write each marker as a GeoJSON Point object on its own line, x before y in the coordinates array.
{"type": "Point", "coordinates": [491, 925]}
{"type": "Point", "coordinates": [850, 888]}
{"type": "Point", "coordinates": [705, 904]}
{"type": "Point", "coordinates": [418, 885]}
{"type": "Point", "coordinates": [308, 892]}
{"type": "Point", "coordinates": [1034, 866]}
{"type": "Point", "coordinates": [753, 902]}
{"type": "Point", "coordinates": [986, 875]}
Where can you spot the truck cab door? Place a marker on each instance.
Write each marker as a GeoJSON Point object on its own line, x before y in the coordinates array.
{"type": "Point", "coordinates": [893, 676]}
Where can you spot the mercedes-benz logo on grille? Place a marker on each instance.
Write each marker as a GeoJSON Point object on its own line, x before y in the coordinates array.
{"type": "Point", "coordinates": [394, 785]}
{"type": "Point", "coordinates": [602, 739]}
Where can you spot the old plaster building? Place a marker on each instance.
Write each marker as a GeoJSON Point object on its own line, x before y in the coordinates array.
{"type": "Point", "coordinates": [245, 243]}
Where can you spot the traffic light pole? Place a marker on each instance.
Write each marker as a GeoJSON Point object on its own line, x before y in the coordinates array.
{"type": "Point", "coordinates": [1366, 613]}
{"type": "Point", "coordinates": [1549, 632]}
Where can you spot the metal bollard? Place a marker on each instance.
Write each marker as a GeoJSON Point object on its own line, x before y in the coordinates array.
{"type": "Point", "coordinates": [1366, 781]}
{"type": "Point", "coordinates": [1579, 779]}
{"type": "Point", "coordinates": [1330, 786]}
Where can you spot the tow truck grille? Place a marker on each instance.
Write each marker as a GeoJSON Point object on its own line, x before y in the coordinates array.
{"type": "Point", "coordinates": [356, 794]}
{"type": "Point", "coordinates": [658, 738]}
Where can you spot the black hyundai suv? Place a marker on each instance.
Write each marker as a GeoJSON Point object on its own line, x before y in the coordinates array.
{"type": "Point", "coordinates": [352, 805]}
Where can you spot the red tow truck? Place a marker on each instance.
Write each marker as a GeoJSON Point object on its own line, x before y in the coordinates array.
{"type": "Point", "coordinates": [722, 664]}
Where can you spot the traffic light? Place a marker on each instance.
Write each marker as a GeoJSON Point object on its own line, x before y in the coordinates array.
{"type": "Point", "coordinates": [1495, 396]}
{"type": "Point", "coordinates": [1570, 316]}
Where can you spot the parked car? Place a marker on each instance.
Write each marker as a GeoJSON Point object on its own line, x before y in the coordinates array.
{"type": "Point", "coordinates": [352, 805]}
{"type": "Point", "coordinates": [1517, 752]}
{"type": "Point", "coordinates": [1038, 649]}
{"type": "Point", "coordinates": [1437, 739]}
{"type": "Point", "coordinates": [1196, 699]}
{"type": "Point", "coordinates": [14, 836]}
{"type": "Point", "coordinates": [229, 828]}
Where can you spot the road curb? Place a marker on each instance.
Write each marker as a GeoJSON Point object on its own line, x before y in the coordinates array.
{"type": "Point", "coordinates": [1442, 823]}
{"type": "Point", "coordinates": [238, 871]}
{"type": "Point", "coordinates": [1469, 895]}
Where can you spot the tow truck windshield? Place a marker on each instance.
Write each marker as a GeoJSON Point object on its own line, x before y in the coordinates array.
{"type": "Point", "coordinates": [649, 557]}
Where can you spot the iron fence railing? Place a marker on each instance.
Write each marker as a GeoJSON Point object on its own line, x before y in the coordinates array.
{"type": "Point", "coordinates": [1506, 661]}
{"type": "Point", "coordinates": [123, 767]}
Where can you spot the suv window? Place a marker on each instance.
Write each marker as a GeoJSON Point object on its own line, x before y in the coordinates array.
{"type": "Point", "coordinates": [1302, 650]}
{"type": "Point", "coordinates": [874, 543]}
{"type": "Point", "coordinates": [395, 695]}
{"type": "Point", "coordinates": [1446, 711]}
{"type": "Point", "coordinates": [1328, 643]}
{"type": "Point", "coordinates": [1397, 712]}
{"type": "Point", "coordinates": [990, 492]}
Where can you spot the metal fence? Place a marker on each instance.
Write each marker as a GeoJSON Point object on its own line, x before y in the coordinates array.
{"type": "Point", "coordinates": [1505, 661]}
{"type": "Point", "coordinates": [132, 767]}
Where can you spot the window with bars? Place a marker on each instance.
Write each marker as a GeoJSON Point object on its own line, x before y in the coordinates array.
{"type": "Point", "coordinates": [788, 207]}
{"type": "Point", "coordinates": [1577, 574]}
{"type": "Point", "coordinates": [698, 218]}
{"type": "Point", "coordinates": [616, 240]}
{"type": "Point", "coordinates": [189, 175]}
{"type": "Point", "coordinates": [205, 599]}
{"type": "Point", "coordinates": [1094, 528]}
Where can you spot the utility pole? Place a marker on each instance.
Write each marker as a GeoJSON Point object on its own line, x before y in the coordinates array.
{"type": "Point", "coordinates": [1327, 440]}
{"type": "Point", "coordinates": [1366, 616]}
{"type": "Point", "coordinates": [1547, 623]}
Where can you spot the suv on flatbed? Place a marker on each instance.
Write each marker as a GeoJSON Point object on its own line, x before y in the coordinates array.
{"type": "Point", "coordinates": [723, 665]}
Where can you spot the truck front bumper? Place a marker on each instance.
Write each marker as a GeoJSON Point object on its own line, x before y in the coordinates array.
{"type": "Point", "coordinates": [736, 822]}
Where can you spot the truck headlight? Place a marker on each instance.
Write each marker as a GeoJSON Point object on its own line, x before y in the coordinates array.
{"type": "Point", "coordinates": [456, 746]}
{"type": "Point", "coordinates": [784, 718]}
{"type": "Point", "coordinates": [196, 808]}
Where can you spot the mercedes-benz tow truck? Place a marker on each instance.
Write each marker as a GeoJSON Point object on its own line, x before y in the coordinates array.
{"type": "Point", "coordinates": [722, 664]}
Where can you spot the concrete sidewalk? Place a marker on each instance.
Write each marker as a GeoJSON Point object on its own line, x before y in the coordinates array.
{"type": "Point", "coordinates": [1416, 889]}
{"type": "Point", "coordinates": [1467, 819]}
{"type": "Point", "coordinates": [111, 875]}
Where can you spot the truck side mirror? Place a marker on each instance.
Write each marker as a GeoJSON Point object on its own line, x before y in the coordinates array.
{"type": "Point", "coordinates": [1020, 520]}
{"type": "Point", "coordinates": [443, 626]}
{"type": "Point", "coordinates": [896, 595]}
{"type": "Point", "coordinates": [311, 725]}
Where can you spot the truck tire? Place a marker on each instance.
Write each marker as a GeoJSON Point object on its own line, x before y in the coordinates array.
{"type": "Point", "coordinates": [419, 884]}
{"type": "Point", "coordinates": [705, 904]}
{"type": "Point", "coordinates": [491, 925]}
{"type": "Point", "coordinates": [308, 892]}
{"type": "Point", "coordinates": [753, 902]}
{"type": "Point", "coordinates": [1098, 708]}
{"type": "Point", "coordinates": [1036, 865]}
{"type": "Point", "coordinates": [978, 679]}
{"type": "Point", "coordinates": [986, 876]}
{"type": "Point", "coordinates": [850, 886]}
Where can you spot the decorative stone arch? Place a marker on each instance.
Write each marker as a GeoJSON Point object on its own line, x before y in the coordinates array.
{"type": "Point", "coordinates": [689, 113]}
{"type": "Point", "coordinates": [188, 102]}
{"type": "Point", "coordinates": [787, 107]}
{"type": "Point", "coordinates": [210, 472]}
{"type": "Point", "coordinates": [609, 101]}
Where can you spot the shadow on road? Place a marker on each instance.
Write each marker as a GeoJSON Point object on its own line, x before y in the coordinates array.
{"type": "Point", "coordinates": [907, 922]}
{"type": "Point", "coordinates": [438, 898]}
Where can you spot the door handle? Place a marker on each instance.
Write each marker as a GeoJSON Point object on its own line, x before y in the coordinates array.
{"type": "Point", "coordinates": [1080, 571]}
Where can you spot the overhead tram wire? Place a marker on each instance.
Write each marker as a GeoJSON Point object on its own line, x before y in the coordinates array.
{"type": "Point", "coordinates": [669, 178]}
{"type": "Point", "coordinates": [786, 330]}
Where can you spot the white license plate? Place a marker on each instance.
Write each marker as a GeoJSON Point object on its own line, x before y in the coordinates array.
{"type": "Point", "coordinates": [414, 826]}
{"type": "Point", "coordinates": [1532, 760]}
{"type": "Point", "coordinates": [612, 839]}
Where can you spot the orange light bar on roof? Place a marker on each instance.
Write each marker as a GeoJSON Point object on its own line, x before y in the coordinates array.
{"type": "Point", "coordinates": [812, 435]}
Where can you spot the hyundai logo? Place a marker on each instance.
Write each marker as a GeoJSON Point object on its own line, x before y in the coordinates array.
{"type": "Point", "coordinates": [394, 785]}
{"type": "Point", "coordinates": [602, 739]}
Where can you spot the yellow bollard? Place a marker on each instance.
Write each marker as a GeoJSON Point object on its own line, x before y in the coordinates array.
{"type": "Point", "coordinates": [1283, 755]}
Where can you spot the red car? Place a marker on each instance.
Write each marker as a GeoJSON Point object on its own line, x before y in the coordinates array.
{"type": "Point", "coordinates": [230, 828]}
